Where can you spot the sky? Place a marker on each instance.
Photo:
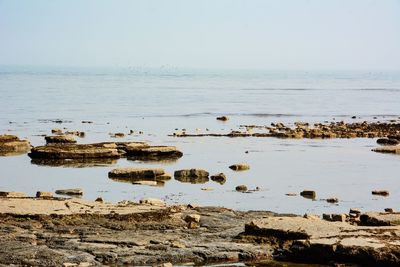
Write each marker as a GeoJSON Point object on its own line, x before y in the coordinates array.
{"type": "Point", "coordinates": [229, 34]}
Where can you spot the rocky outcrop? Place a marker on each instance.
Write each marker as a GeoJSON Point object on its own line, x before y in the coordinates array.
{"type": "Point", "coordinates": [315, 240]}
{"type": "Point", "coordinates": [11, 145]}
{"type": "Point", "coordinates": [380, 219]}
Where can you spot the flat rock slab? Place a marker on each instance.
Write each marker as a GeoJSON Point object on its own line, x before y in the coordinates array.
{"type": "Point", "coordinates": [147, 236]}
{"type": "Point", "coordinates": [318, 240]}
{"type": "Point", "coordinates": [60, 206]}
{"type": "Point", "coordinates": [11, 145]}
{"type": "Point", "coordinates": [388, 149]}
{"type": "Point", "coordinates": [146, 152]}
{"type": "Point", "coordinates": [75, 151]}
{"type": "Point", "coordinates": [70, 192]}
{"type": "Point", "coordinates": [194, 176]}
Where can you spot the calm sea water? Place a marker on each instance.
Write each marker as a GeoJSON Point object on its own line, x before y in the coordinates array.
{"type": "Point", "coordinates": [157, 101]}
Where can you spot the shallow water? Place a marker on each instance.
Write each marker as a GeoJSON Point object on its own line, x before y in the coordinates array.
{"type": "Point", "coordinates": [158, 101]}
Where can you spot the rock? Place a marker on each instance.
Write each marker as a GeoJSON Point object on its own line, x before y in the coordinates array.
{"type": "Point", "coordinates": [70, 192]}
{"type": "Point", "coordinates": [291, 194]}
{"type": "Point", "coordinates": [380, 219]}
{"type": "Point", "coordinates": [387, 141]}
{"type": "Point", "coordinates": [75, 151]}
{"type": "Point", "coordinates": [192, 218]}
{"type": "Point", "coordinates": [384, 193]}
{"type": "Point", "coordinates": [223, 118]}
{"type": "Point", "coordinates": [145, 152]}
{"type": "Point", "coordinates": [240, 167]}
{"type": "Point", "coordinates": [388, 149]}
{"type": "Point", "coordinates": [176, 244]}
{"type": "Point", "coordinates": [139, 174]}
{"type": "Point", "coordinates": [12, 194]}
{"type": "Point", "coordinates": [60, 139]}
{"type": "Point", "coordinates": [76, 133]}
{"type": "Point", "coordinates": [167, 264]}
{"type": "Point", "coordinates": [99, 199]}
{"type": "Point", "coordinates": [354, 211]}
{"type": "Point", "coordinates": [241, 188]}
{"type": "Point", "coordinates": [207, 189]}
{"type": "Point", "coordinates": [42, 194]}
{"type": "Point", "coordinates": [219, 178]}
{"type": "Point", "coordinates": [117, 135]}
{"type": "Point", "coordinates": [339, 217]}
{"type": "Point", "coordinates": [390, 210]}
{"type": "Point", "coordinates": [308, 194]}
{"type": "Point", "coordinates": [312, 216]}
{"type": "Point", "coordinates": [152, 201]}
{"type": "Point", "coordinates": [12, 145]}
{"type": "Point", "coordinates": [322, 241]}
{"type": "Point", "coordinates": [87, 121]}
{"type": "Point", "coordinates": [332, 200]}
{"type": "Point", "coordinates": [56, 131]}
{"type": "Point", "coordinates": [191, 173]}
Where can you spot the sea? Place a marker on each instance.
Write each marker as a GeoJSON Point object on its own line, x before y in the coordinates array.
{"type": "Point", "coordinates": [154, 103]}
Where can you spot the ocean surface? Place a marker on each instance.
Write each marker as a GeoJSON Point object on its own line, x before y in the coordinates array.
{"type": "Point", "coordinates": [159, 101]}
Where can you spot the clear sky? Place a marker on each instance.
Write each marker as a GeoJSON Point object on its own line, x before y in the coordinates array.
{"type": "Point", "coordinates": [238, 34]}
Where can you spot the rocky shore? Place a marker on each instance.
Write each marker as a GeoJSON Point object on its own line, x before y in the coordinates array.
{"type": "Point", "coordinates": [76, 232]}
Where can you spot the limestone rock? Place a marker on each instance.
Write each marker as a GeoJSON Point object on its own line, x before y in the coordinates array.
{"type": "Point", "coordinates": [223, 118]}
{"type": "Point", "coordinates": [12, 145]}
{"type": "Point", "coordinates": [219, 178]}
{"type": "Point", "coordinates": [241, 188]}
{"type": "Point", "coordinates": [138, 174]}
{"type": "Point", "coordinates": [308, 194]}
{"type": "Point", "coordinates": [41, 194]}
{"type": "Point", "coordinates": [70, 192]}
{"type": "Point", "coordinates": [75, 151]}
{"type": "Point", "coordinates": [192, 218]}
{"type": "Point", "coordinates": [12, 194]}
{"type": "Point", "coordinates": [60, 139]}
{"type": "Point", "coordinates": [384, 193]}
{"type": "Point", "coordinates": [195, 176]}
{"type": "Point", "coordinates": [240, 167]}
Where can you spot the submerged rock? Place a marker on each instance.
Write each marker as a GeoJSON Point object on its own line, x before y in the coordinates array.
{"type": "Point", "coordinates": [60, 139]}
{"type": "Point", "coordinates": [12, 145]}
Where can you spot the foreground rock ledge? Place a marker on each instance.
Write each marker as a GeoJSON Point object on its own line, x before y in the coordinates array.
{"type": "Point", "coordinates": [315, 240]}
{"type": "Point", "coordinates": [55, 231]}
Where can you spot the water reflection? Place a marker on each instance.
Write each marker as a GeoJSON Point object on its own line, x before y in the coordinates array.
{"type": "Point", "coordinates": [192, 179]}
{"type": "Point", "coordinates": [74, 163]}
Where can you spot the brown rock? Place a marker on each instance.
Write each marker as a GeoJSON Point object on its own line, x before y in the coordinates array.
{"type": "Point", "coordinates": [219, 178]}
{"type": "Point", "coordinates": [241, 188]}
{"type": "Point", "coordinates": [308, 194]}
{"type": "Point", "coordinates": [332, 200]}
{"type": "Point", "coordinates": [42, 194]}
{"type": "Point", "coordinates": [223, 118]}
{"type": "Point", "coordinates": [12, 145]}
{"type": "Point", "coordinates": [240, 167]}
{"type": "Point", "coordinates": [384, 193]}
{"type": "Point", "coordinates": [75, 151]}
{"type": "Point", "coordinates": [12, 194]}
{"type": "Point", "coordinates": [70, 192]}
{"type": "Point", "coordinates": [60, 139]}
